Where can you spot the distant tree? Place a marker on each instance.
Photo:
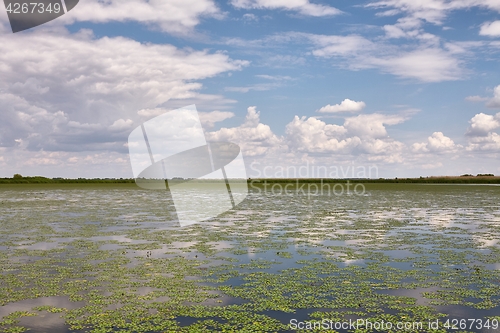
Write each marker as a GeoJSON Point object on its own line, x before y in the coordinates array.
{"type": "Point", "coordinates": [17, 176]}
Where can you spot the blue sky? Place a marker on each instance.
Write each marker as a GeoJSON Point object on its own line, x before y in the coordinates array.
{"type": "Point", "coordinates": [410, 87]}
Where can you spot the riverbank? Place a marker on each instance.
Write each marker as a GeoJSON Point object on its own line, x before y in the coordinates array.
{"type": "Point", "coordinates": [421, 180]}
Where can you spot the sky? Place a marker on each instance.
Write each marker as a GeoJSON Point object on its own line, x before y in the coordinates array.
{"type": "Point", "coordinates": [310, 88]}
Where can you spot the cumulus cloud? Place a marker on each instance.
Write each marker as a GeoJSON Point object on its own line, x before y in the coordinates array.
{"type": "Point", "coordinates": [481, 124]}
{"type": "Point", "coordinates": [490, 142]}
{"type": "Point", "coordinates": [314, 135]}
{"type": "Point", "coordinates": [491, 29]}
{"type": "Point", "coordinates": [481, 132]}
{"type": "Point", "coordinates": [372, 125]}
{"type": "Point", "coordinates": [92, 86]}
{"type": "Point", "coordinates": [303, 7]}
{"type": "Point", "coordinates": [253, 137]}
{"type": "Point", "coordinates": [27, 127]}
{"type": "Point", "coordinates": [364, 134]}
{"type": "Point", "coordinates": [347, 105]}
{"type": "Point", "coordinates": [436, 143]}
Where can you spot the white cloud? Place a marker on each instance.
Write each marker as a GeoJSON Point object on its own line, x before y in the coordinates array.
{"type": "Point", "coordinates": [393, 31]}
{"type": "Point", "coordinates": [481, 133]}
{"type": "Point", "coordinates": [439, 142]}
{"type": "Point", "coordinates": [428, 61]}
{"type": "Point", "coordinates": [347, 105]}
{"type": "Point", "coordinates": [255, 87]}
{"type": "Point", "coordinates": [410, 28]}
{"type": "Point", "coordinates": [476, 98]}
{"type": "Point", "coordinates": [311, 139]}
{"type": "Point", "coordinates": [284, 61]}
{"type": "Point", "coordinates": [465, 48]}
{"type": "Point", "coordinates": [31, 128]}
{"type": "Point", "coordinates": [494, 103]}
{"type": "Point", "coordinates": [253, 137]}
{"type": "Point", "coordinates": [303, 7]}
{"type": "Point", "coordinates": [150, 113]}
{"type": "Point", "coordinates": [491, 29]}
{"type": "Point", "coordinates": [427, 65]}
{"type": "Point", "coordinates": [425, 59]}
{"type": "Point", "coordinates": [274, 77]}
{"type": "Point", "coordinates": [314, 135]}
{"type": "Point", "coordinates": [77, 92]}
{"type": "Point", "coordinates": [436, 143]}
{"type": "Point", "coordinates": [250, 17]}
{"type": "Point", "coordinates": [333, 46]}
{"type": "Point", "coordinates": [178, 17]}
{"type": "Point", "coordinates": [419, 147]}
{"type": "Point", "coordinates": [121, 124]}
{"type": "Point", "coordinates": [432, 11]}
{"type": "Point", "coordinates": [491, 142]}
{"type": "Point", "coordinates": [276, 82]}
{"type": "Point", "coordinates": [208, 119]}
{"type": "Point", "coordinates": [65, 164]}
{"type": "Point", "coordinates": [372, 125]}
{"type": "Point", "coordinates": [364, 134]}
{"type": "Point", "coordinates": [482, 124]}
{"type": "Point", "coordinates": [432, 166]}
{"type": "Point", "coordinates": [425, 62]}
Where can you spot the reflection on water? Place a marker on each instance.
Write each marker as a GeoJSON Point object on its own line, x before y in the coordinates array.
{"type": "Point", "coordinates": [44, 322]}
{"type": "Point", "coordinates": [106, 250]}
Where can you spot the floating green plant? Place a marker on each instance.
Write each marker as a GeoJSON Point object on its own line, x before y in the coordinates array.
{"type": "Point", "coordinates": [119, 265]}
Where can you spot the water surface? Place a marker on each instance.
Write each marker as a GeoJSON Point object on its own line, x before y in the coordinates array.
{"type": "Point", "coordinates": [77, 259]}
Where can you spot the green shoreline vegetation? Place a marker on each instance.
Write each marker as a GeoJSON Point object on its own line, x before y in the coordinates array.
{"type": "Point", "coordinates": [464, 179]}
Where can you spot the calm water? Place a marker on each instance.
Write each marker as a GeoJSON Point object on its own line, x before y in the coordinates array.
{"type": "Point", "coordinates": [80, 259]}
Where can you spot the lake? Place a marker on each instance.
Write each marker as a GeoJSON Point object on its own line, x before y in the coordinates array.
{"type": "Point", "coordinates": [106, 258]}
